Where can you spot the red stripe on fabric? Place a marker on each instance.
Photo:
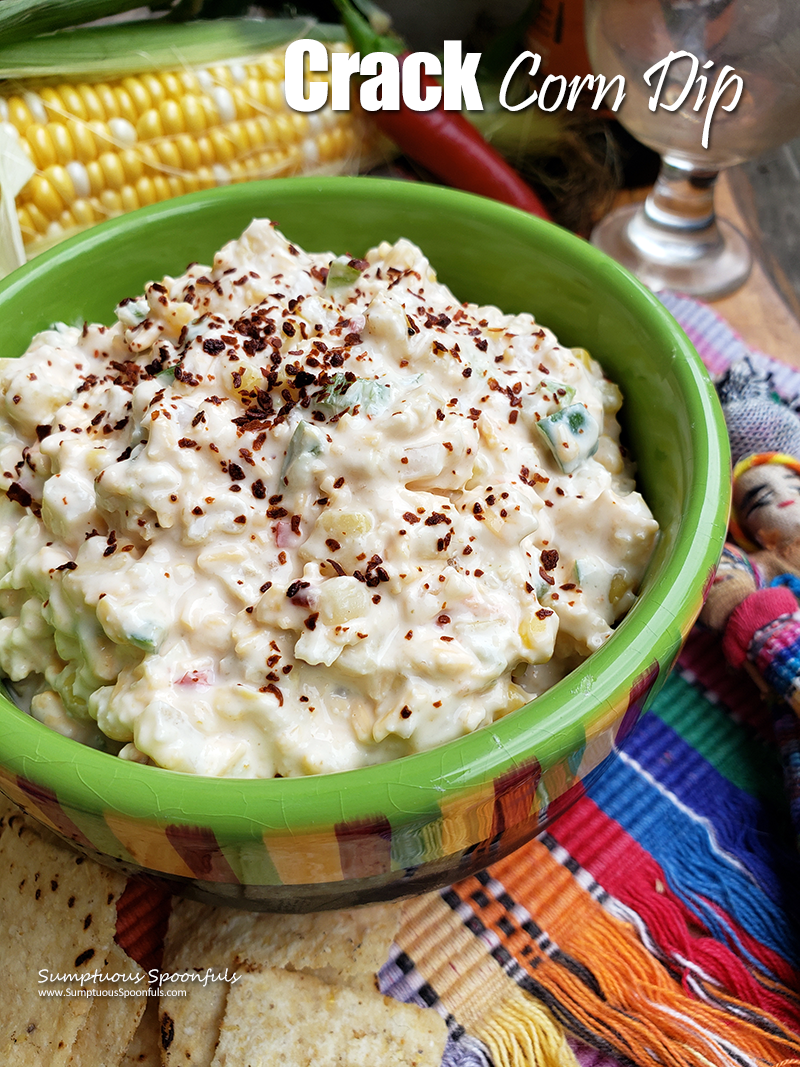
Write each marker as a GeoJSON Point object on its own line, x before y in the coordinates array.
{"type": "Point", "coordinates": [142, 918]}
{"type": "Point", "coordinates": [365, 848]}
{"type": "Point", "coordinates": [46, 800]}
{"type": "Point", "coordinates": [735, 689]}
{"type": "Point", "coordinates": [626, 871]}
{"type": "Point", "coordinates": [199, 850]}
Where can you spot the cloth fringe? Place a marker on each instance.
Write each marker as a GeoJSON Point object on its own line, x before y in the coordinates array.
{"type": "Point", "coordinates": [598, 980]}
{"type": "Point", "coordinates": [522, 1033]}
{"type": "Point", "coordinates": [516, 1030]}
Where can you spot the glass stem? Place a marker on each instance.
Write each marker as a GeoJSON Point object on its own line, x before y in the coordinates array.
{"type": "Point", "coordinates": [683, 197]}
{"type": "Point", "coordinates": [677, 224]}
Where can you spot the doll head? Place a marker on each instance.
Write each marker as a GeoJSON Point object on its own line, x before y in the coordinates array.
{"type": "Point", "coordinates": [766, 502]}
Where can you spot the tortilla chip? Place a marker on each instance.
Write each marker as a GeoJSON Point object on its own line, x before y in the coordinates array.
{"type": "Point", "coordinates": [144, 1049]}
{"type": "Point", "coordinates": [112, 1020]}
{"type": "Point", "coordinates": [60, 915]}
{"type": "Point", "coordinates": [277, 1016]}
{"type": "Point", "coordinates": [348, 947]}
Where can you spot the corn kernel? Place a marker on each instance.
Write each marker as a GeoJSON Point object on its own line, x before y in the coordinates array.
{"type": "Point", "coordinates": [300, 123]}
{"type": "Point", "coordinates": [274, 97]}
{"type": "Point", "coordinates": [19, 114]}
{"type": "Point", "coordinates": [237, 171]}
{"type": "Point", "coordinates": [25, 223]}
{"type": "Point", "coordinates": [66, 220]}
{"type": "Point", "coordinates": [39, 220]}
{"type": "Point", "coordinates": [138, 94]}
{"type": "Point", "coordinates": [171, 116]}
{"type": "Point", "coordinates": [242, 102]}
{"type": "Point", "coordinates": [224, 150]}
{"type": "Point", "coordinates": [154, 88]}
{"type": "Point", "coordinates": [583, 356]}
{"type": "Point", "coordinates": [210, 110]}
{"type": "Point", "coordinates": [94, 109]}
{"type": "Point", "coordinates": [256, 92]}
{"type": "Point", "coordinates": [80, 178]}
{"type": "Point", "coordinates": [206, 150]}
{"type": "Point", "coordinates": [206, 177]}
{"type": "Point", "coordinates": [132, 165]}
{"type": "Point", "coordinates": [83, 212]}
{"type": "Point", "coordinates": [619, 587]}
{"type": "Point", "coordinates": [62, 142]}
{"type": "Point", "coordinates": [42, 147]}
{"type": "Point", "coordinates": [111, 202]}
{"type": "Point", "coordinates": [284, 129]}
{"type": "Point", "coordinates": [149, 158]}
{"type": "Point", "coordinates": [96, 177]}
{"type": "Point", "coordinates": [52, 102]}
{"type": "Point", "coordinates": [254, 130]}
{"type": "Point", "coordinates": [194, 117]}
{"type": "Point", "coordinates": [176, 187]}
{"type": "Point", "coordinates": [149, 125]}
{"type": "Point", "coordinates": [221, 75]}
{"type": "Point", "coordinates": [112, 170]}
{"type": "Point", "coordinates": [172, 85]}
{"type": "Point", "coordinates": [124, 106]}
{"type": "Point", "coordinates": [168, 154]}
{"type": "Point", "coordinates": [190, 83]}
{"type": "Point", "coordinates": [72, 102]}
{"type": "Point", "coordinates": [130, 201]}
{"type": "Point", "coordinates": [145, 191]}
{"type": "Point", "coordinates": [45, 197]}
{"type": "Point", "coordinates": [86, 147]}
{"type": "Point", "coordinates": [188, 151]}
{"type": "Point", "coordinates": [107, 100]}
{"type": "Point", "coordinates": [268, 128]}
{"type": "Point", "coordinates": [161, 186]}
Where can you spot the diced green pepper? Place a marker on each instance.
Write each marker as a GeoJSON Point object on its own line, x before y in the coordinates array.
{"type": "Point", "coordinates": [306, 442]}
{"type": "Point", "coordinates": [571, 434]}
{"type": "Point", "coordinates": [369, 394]}
{"type": "Point", "coordinates": [341, 273]}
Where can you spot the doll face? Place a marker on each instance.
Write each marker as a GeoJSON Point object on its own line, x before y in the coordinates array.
{"type": "Point", "coordinates": [767, 498]}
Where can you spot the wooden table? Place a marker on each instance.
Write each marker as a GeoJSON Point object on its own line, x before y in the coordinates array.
{"type": "Point", "coordinates": [757, 311]}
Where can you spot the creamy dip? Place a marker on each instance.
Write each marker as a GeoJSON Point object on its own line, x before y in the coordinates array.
{"type": "Point", "coordinates": [297, 513]}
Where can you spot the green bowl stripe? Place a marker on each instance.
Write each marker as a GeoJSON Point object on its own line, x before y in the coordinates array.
{"type": "Point", "coordinates": [250, 861]}
{"type": "Point", "coordinates": [97, 830]}
{"type": "Point", "coordinates": [417, 842]}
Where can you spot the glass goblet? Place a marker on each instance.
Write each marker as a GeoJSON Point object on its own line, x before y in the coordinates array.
{"type": "Point", "coordinates": [731, 92]}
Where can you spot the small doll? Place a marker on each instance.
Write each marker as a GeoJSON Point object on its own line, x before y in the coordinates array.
{"type": "Point", "coordinates": [753, 602]}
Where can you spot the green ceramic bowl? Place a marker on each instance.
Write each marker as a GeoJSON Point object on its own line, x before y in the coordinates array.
{"type": "Point", "coordinates": [425, 820]}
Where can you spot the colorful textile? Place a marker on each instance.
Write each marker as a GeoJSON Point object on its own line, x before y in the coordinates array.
{"type": "Point", "coordinates": [658, 922]}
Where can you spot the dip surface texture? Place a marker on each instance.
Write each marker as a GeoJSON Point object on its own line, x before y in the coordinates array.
{"type": "Point", "coordinates": [299, 513]}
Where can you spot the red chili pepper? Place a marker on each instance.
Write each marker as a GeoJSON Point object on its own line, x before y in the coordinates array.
{"type": "Point", "coordinates": [444, 142]}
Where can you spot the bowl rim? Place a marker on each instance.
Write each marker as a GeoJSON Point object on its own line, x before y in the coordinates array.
{"type": "Point", "coordinates": [412, 787]}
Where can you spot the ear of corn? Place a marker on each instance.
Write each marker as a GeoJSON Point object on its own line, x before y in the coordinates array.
{"type": "Point", "coordinates": [103, 148]}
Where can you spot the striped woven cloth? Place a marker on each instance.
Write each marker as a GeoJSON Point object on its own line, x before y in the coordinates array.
{"type": "Point", "coordinates": [658, 922]}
